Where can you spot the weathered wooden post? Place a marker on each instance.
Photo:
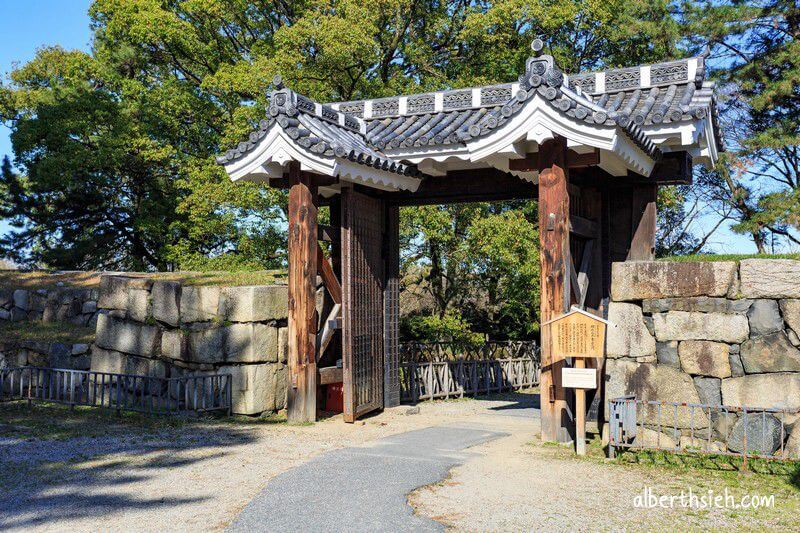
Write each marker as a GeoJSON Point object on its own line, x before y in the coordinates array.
{"type": "Point", "coordinates": [302, 390]}
{"type": "Point", "coordinates": [555, 291]}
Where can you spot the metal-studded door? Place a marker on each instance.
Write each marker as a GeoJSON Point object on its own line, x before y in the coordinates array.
{"type": "Point", "coordinates": [362, 303]}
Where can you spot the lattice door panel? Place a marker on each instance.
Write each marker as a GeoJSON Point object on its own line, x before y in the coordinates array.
{"type": "Point", "coordinates": [362, 303]}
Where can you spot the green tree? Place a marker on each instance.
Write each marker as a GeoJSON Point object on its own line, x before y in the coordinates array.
{"type": "Point", "coordinates": [757, 59]}
{"type": "Point", "coordinates": [115, 148]}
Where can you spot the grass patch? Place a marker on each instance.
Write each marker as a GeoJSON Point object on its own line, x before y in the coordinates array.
{"type": "Point", "coordinates": [670, 474]}
{"type": "Point", "coordinates": [46, 421]}
{"type": "Point", "coordinates": [52, 421]}
{"type": "Point", "coordinates": [40, 279]}
{"type": "Point", "coordinates": [726, 257]}
{"type": "Point", "coordinates": [45, 332]}
{"type": "Point", "coordinates": [226, 279]}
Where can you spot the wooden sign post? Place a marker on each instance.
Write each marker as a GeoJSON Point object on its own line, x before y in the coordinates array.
{"type": "Point", "coordinates": [578, 335]}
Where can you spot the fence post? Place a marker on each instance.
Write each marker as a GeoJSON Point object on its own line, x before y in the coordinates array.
{"type": "Point", "coordinates": [744, 447]}
{"type": "Point", "coordinates": [430, 380]}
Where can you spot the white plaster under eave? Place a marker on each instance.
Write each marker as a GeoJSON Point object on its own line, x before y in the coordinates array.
{"type": "Point", "coordinates": [270, 157]}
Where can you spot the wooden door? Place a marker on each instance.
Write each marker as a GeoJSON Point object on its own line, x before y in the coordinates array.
{"type": "Point", "coordinates": [362, 303]}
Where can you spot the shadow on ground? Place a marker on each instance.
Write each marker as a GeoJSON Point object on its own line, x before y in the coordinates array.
{"type": "Point", "coordinates": [519, 401]}
{"type": "Point", "coordinates": [57, 464]}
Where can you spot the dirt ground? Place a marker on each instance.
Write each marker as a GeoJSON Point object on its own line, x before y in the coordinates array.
{"type": "Point", "coordinates": [518, 484]}
{"type": "Point", "coordinates": [68, 471]}
{"type": "Point", "coordinates": [85, 471]}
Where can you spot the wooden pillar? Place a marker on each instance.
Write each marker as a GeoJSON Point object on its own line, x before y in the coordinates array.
{"type": "Point", "coordinates": [302, 386]}
{"type": "Point", "coordinates": [643, 223]}
{"type": "Point", "coordinates": [555, 282]}
{"type": "Point", "coordinates": [391, 306]}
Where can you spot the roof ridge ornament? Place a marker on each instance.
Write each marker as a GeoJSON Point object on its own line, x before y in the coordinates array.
{"type": "Point", "coordinates": [537, 45]}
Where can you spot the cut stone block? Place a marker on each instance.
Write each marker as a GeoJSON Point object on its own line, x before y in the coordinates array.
{"type": "Point", "coordinates": [763, 434]}
{"type": "Point", "coordinates": [80, 349]}
{"type": "Point", "coordinates": [791, 314]}
{"type": "Point", "coordinates": [649, 438]}
{"type": "Point", "coordinates": [139, 305]}
{"type": "Point", "coordinates": [779, 391]}
{"type": "Point", "coordinates": [253, 388]}
{"type": "Point", "coordinates": [113, 292]}
{"type": "Point", "coordinates": [174, 345]}
{"type": "Point", "coordinates": [705, 358]}
{"type": "Point", "coordinates": [89, 307]}
{"type": "Point", "coordinates": [22, 299]}
{"type": "Point", "coordinates": [699, 304]}
{"type": "Point", "coordinates": [639, 280]}
{"type": "Point", "coordinates": [6, 298]}
{"type": "Point", "coordinates": [770, 278]}
{"type": "Point", "coordinates": [667, 353]}
{"type": "Point", "coordinates": [206, 345]}
{"type": "Point", "coordinates": [764, 317]}
{"type": "Point", "coordinates": [682, 325]}
{"type": "Point", "coordinates": [792, 449]}
{"type": "Point", "coordinates": [709, 390]}
{"type": "Point", "coordinates": [255, 304]}
{"type": "Point", "coordinates": [108, 361]}
{"type": "Point", "coordinates": [658, 383]}
{"type": "Point", "coordinates": [283, 344]}
{"type": "Point", "coordinates": [251, 343]}
{"type": "Point", "coordinates": [199, 304]}
{"type": "Point", "coordinates": [166, 297]}
{"type": "Point", "coordinates": [628, 336]}
{"type": "Point", "coordinates": [770, 353]}
{"type": "Point", "coordinates": [127, 337]}
{"type": "Point", "coordinates": [737, 369]}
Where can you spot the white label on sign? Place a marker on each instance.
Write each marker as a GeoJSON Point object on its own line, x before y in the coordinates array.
{"type": "Point", "coordinates": [579, 378]}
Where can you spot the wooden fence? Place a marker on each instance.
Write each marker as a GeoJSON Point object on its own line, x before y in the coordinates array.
{"type": "Point", "coordinates": [459, 378]}
{"type": "Point", "coordinates": [121, 392]}
{"type": "Point", "coordinates": [453, 351]}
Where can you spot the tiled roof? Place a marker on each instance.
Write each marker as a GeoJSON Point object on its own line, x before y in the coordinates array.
{"type": "Point", "coordinates": [634, 99]}
{"type": "Point", "coordinates": [320, 130]}
{"type": "Point", "coordinates": [643, 96]}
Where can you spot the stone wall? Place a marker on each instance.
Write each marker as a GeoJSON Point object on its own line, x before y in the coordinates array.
{"type": "Point", "coordinates": [708, 332]}
{"type": "Point", "coordinates": [61, 304]}
{"type": "Point", "coordinates": [45, 354]}
{"type": "Point", "coordinates": [69, 305]}
{"type": "Point", "coordinates": [167, 329]}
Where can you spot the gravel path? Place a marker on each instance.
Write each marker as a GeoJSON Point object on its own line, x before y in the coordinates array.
{"type": "Point", "coordinates": [364, 488]}
{"type": "Point", "coordinates": [517, 484]}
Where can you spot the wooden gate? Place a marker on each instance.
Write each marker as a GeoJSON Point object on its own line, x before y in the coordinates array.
{"type": "Point", "coordinates": [362, 303]}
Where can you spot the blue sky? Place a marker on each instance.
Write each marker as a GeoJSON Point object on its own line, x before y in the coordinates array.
{"type": "Point", "coordinates": [31, 24]}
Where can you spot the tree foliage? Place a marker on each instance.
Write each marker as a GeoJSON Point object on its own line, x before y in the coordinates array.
{"type": "Point", "coordinates": [756, 55]}
{"type": "Point", "coordinates": [114, 148]}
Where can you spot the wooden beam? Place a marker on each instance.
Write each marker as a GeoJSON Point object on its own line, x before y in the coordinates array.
{"type": "Point", "coordinates": [574, 160]}
{"type": "Point", "coordinates": [643, 223]}
{"type": "Point", "coordinates": [328, 276]}
{"type": "Point", "coordinates": [325, 337]}
{"type": "Point", "coordinates": [583, 274]}
{"type": "Point", "coordinates": [674, 168]}
{"type": "Point", "coordinates": [316, 180]}
{"type": "Point", "coordinates": [461, 186]}
{"type": "Point", "coordinates": [330, 374]}
{"type": "Point", "coordinates": [583, 227]}
{"type": "Point", "coordinates": [302, 388]}
{"type": "Point", "coordinates": [555, 291]}
{"type": "Point", "coordinates": [328, 233]}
